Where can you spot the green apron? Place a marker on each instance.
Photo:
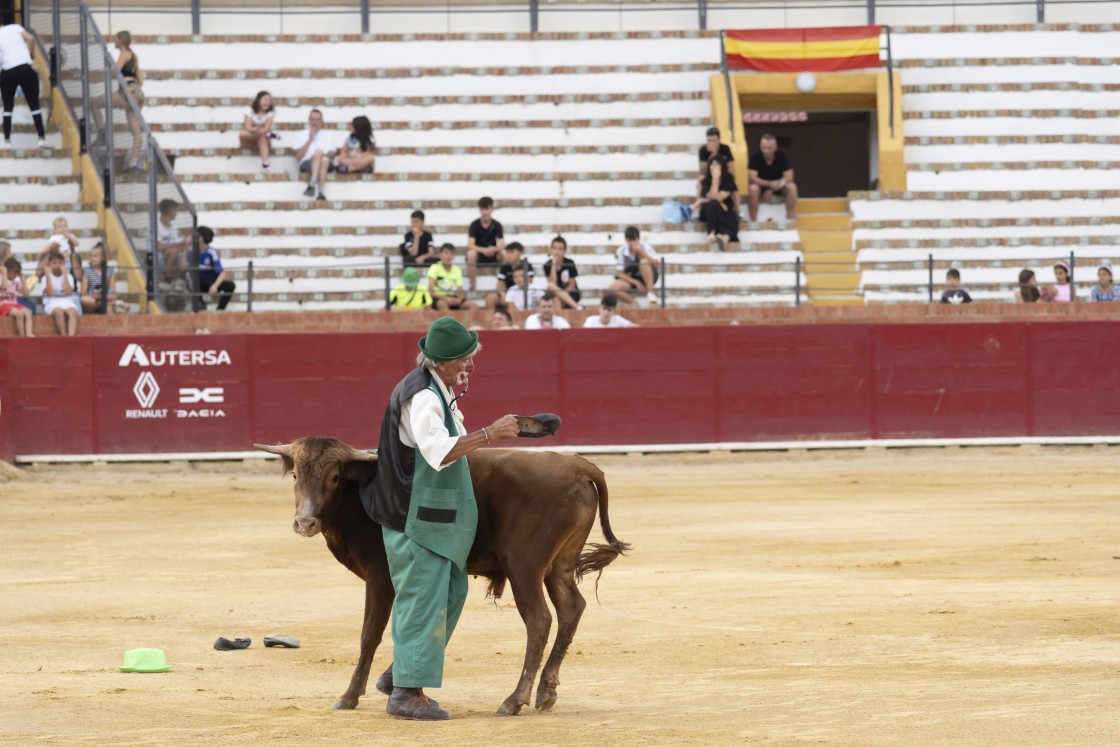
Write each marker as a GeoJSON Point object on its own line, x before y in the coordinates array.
{"type": "Point", "coordinates": [442, 515]}
{"type": "Point", "coordinates": [427, 564]}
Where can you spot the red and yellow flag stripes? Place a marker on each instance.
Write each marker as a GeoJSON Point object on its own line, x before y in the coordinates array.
{"type": "Point", "coordinates": [797, 50]}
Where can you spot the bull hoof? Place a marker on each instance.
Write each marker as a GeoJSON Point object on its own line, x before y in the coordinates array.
{"type": "Point", "coordinates": [345, 704]}
{"type": "Point", "coordinates": [546, 699]}
{"type": "Point", "coordinates": [510, 708]}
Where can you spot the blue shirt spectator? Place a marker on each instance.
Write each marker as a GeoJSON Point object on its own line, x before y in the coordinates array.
{"type": "Point", "coordinates": [1104, 290]}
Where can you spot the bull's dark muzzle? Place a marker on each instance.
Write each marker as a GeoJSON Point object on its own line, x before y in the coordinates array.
{"type": "Point", "coordinates": [308, 526]}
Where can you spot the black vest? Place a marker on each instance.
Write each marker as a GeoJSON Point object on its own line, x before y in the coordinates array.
{"type": "Point", "coordinates": [387, 497]}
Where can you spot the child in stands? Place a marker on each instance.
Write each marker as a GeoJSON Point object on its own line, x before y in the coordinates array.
{"type": "Point", "coordinates": [60, 299]}
{"type": "Point", "coordinates": [954, 294]}
{"type": "Point", "coordinates": [1105, 290]}
{"type": "Point", "coordinates": [10, 293]}
{"type": "Point", "coordinates": [1062, 290]}
{"type": "Point", "coordinates": [93, 283]}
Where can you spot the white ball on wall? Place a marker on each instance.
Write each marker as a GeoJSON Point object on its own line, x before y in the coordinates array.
{"type": "Point", "coordinates": [806, 82]}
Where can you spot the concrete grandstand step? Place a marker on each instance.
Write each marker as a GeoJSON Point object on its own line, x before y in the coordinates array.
{"type": "Point", "coordinates": [425, 73]}
{"type": "Point", "coordinates": [523, 100]}
{"type": "Point", "coordinates": [1062, 175]}
{"type": "Point", "coordinates": [986, 62]}
{"type": "Point", "coordinates": [504, 127]}
{"type": "Point", "coordinates": [1020, 222]}
{"type": "Point", "coordinates": [1064, 139]}
{"type": "Point", "coordinates": [924, 243]}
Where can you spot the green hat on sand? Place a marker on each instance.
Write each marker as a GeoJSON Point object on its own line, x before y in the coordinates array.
{"type": "Point", "coordinates": [410, 276]}
{"type": "Point", "coordinates": [448, 340]}
{"type": "Point", "coordinates": [144, 660]}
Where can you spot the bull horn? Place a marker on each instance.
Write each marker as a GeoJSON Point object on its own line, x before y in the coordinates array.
{"type": "Point", "coordinates": [284, 450]}
{"type": "Point", "coordinates": [363, 456]}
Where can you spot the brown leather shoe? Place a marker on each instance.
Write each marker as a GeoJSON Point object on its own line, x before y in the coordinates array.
{"type": "Point", "coordinates": [384, 684]}
{"type": "Point", "coordinates": [412, 703]}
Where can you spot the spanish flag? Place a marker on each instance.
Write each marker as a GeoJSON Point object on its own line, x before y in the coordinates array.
{"type": "Point", "coordinates": [798, 50]}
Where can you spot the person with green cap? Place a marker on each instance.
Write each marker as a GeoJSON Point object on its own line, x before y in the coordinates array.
{"type": "Point", "coordinates": [424, 501]}
{"type": "Point", "coordinates": [409, 295]}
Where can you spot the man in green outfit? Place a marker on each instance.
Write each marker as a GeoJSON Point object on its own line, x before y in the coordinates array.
{"type": "Point", "coordinates": [424, 501]}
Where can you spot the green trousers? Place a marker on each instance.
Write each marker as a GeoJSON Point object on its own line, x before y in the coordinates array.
{"type": "Point", "coordinates": [430, 593]}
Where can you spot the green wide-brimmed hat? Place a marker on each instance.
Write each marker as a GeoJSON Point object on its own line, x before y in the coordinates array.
{"type": "Point", "coordinates": [410, 276]}
{"type": "Point", "coordinates": [145, 660]}
{"type": "Point", "coordinates": [448, 340]}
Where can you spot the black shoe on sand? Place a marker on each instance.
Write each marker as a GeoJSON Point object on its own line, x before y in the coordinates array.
{"type": "Point", "coordinates": [412, 703]}
{"type": "Point", "coordinates": [225, 644]}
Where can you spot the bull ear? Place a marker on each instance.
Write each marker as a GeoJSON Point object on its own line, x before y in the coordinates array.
{"type": "Point", "coordinates": [284, 450]}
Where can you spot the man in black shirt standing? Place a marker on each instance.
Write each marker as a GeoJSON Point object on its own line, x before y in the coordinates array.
{"type": "Point", "coordinates": [485, 241]}
{"type": "Point", "coordinates": [771, 173]}
{"type": "Point", "coordinates": [713, 148]}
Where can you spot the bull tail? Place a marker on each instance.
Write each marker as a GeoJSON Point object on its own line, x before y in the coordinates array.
{"type": "Point", "coordinates": [599, 556]}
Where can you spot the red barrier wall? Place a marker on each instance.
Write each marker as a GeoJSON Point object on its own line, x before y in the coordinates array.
{"type": "Point", "coordinates": [114, 395]}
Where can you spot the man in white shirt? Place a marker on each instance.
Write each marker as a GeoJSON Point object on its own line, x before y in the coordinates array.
{"type": "Point", "coordinates": [546, 317]}
{"type": "Point", "coordinates": [607, 316]}
{"type": "Point", "coordinates": [314, 152]}
{"type": "Point", "coordinates": [636, 268]}
{"type": "Point", "coordinates": [16, 50]}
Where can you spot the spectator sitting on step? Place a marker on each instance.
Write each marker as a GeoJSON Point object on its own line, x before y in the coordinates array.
{"type": "Point", "coordinates": [486, 243]}
{"type": "Point", "coordinates": [1062, 290]}
{"type": "Point", "coordinates": [314, 152]}
{"type": "Point", "coordinates": [173, 250]}
{"type": "Point", "coordinates": [60, 298]}
{"type": "Point", "coordinates": [561, 272]}
{"type": "Point", "coordinates": [93, 282]}
{"type": "Point", "coordinates": [256, 130]}
{"type": "Point", "coordinates": [514, 258]}
{"type": "Point", "coordinates": [410, 295]}
{"type": "Point", "coordinates": [954, 294]}
{"type": "Point", "coordinates": [716, 207]}
{"type": "Point", "coordinates": [417, 248]}
{"type": "Point", "coordinates": [713, 148]}
{"type": "Point", "coordinates": [522, 295]}
{"type": "Point", "coordinates": [1028, 287]}
{"type": "Point", "coordinates": [502, 319]}
{"type": "Point", "coordinates": [212, 277]}
{"type": "Point", "coordinates": [11, 292]}
{"type": "Point", "coordinates": [608, 315]}
{"type": "Point", "coordinates": [771, 174]}
{"type": "Point", "coordinates": [636, 265]}
{"type": "Point", "coordinates": [64, 242]}
{"type": "Point", "coordinates": [546, 317]}
{"type": "Point", "coordinates": [445, 282]}
{"type": "Point", "coordinates": [1105, 290]}
{"type": "Point", "coordinates": [357, 154]}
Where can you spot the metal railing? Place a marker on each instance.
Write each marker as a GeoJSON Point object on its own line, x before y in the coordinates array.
{"type": "Point", "coordinates": [136, 177]}
{"type": "Point", "coordinates": [371, 16]}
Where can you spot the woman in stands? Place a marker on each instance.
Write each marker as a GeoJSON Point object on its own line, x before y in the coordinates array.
{"type": "Point", "coordinates": [129, 67]}
{"type": "Point", "coordinates": [16, 52]}
{"type": "Point", "coordinates": [1028, 287]}
{"type": "Point", "coordinates": [356, 156]}
{"type": "Point", "coordinates": [1105, 290]}
{"type": "Point", "coordinates": [256, 130]}
{"type": "Point", "coordinates": [716, 207]}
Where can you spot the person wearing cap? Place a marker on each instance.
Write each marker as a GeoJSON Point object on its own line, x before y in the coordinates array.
{"type": "Point", "coordinates": [713, 148]}
{"type": "Point", "coordinates": [1104, 290]}
{"type": "Point", "coordinates": [410, 294]}
{"type": "Point", "coordinates": [423, 499]}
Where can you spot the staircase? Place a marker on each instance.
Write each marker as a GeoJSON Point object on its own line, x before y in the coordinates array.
{"type": "Point", "coordinates": [830, 270]}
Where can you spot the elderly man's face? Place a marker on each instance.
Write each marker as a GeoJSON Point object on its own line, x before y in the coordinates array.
{"type": "Point", "coordinates": [315, 120]}
{"type": "Point", "coordinates": [768, 147]}
{"type": "Point", "coordinates": [457, 372]}
{"type": "Point", "coordinates": [546, 307]}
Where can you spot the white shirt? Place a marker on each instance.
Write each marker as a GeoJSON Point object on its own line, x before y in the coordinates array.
{"type": "Point", "coordinates": [421, 425]}
{"type": "Point", "coordinates": [515, 297]}
{"type": "Point", "coordinates": [166, 234]}
{"type": "Point", "coordinates": [13, 48]}
{"type": "Point", "coordinates": [595, 322]}
{"type": "Point", "coordinates": [558, 322]}
{"type": "Point", "coordinates": [260, 119]}
{"type": "Point", "coordinates": [623, 256]}
{"type": "Point", "coordinates": [321, 142]}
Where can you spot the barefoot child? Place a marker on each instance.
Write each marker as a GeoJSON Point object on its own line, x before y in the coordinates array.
{"type": "Point", "coordinates": [10, 292]}
{"type": "Point", "coordinates": [59, 298]}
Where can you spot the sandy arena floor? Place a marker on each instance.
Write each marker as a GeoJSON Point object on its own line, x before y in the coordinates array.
{"type": "Point", "coordinates": [948, 597]}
